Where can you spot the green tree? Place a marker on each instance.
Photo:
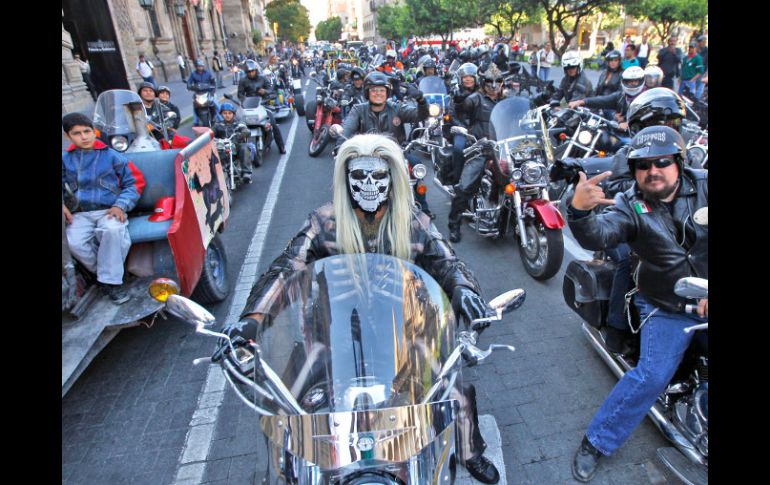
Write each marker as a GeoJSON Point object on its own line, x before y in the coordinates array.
{"type": "Point", "coordinates": [256, 36]}
{"type": "Point", "coordinates": [329, 29]}
{"type": "Point", "coordinates": [667, 14]}
{"type": "Point", "coordinates": [443, 17]}
{"type": "Point", "coordinates": [292, 19]}
{"type": "Point", "coordinates": [510, 15]}
{"type": "Point", "coordinates": [565, 16]}
{"type": "Point", "coordinates": [394, 21]}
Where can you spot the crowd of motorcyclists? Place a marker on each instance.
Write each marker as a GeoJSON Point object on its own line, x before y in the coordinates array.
{"type": "Point", "coordinates": [640, 212]}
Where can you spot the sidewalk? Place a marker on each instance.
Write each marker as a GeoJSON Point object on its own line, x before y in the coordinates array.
{"type": "Point", "coordinates": [180, 96]}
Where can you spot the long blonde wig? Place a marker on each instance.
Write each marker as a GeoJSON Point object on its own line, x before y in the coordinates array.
{"type": "Point", "coordinates": [395, 225]}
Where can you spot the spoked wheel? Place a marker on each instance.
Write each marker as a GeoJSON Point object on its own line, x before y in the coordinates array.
{"type": "Point", "coordinates": [319, 141]}
{"type": "Point", "coordinates": [544, 252]}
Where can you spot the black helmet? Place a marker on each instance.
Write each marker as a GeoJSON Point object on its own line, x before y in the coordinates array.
{"type": "Point", "coordinates": [465, 55]}
{"type": "Point", "coordinates": [341, 73]}
{"type": "Point", "coordinates": [376, 78]}
{"type": "Point", "coordinates": [252, 66]}
{"type": "Point", "coordinates": [357, 73]}
{"type": "Point", "coordinates": [654, 142]}
{"type": "Point", "coordinates": [164, 88]}
{"type": "Point", "coordinates": [426, 61]}
{"type": "Point", "coordinates": [654, 107]}
{"type": "Point", "coordinates": [614, 54]}
{"type": "Point", "coordinates": [145, 84]}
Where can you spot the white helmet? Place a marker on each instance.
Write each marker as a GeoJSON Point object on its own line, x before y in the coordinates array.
{"type": "Point", "coordinates": [571, 59]}
{"type": "Point", "coordinates": [390, 53]}
{"type": "Point", "coordinates": [653, 76]}
{"type": "Point", "coordinates": [632, 80]}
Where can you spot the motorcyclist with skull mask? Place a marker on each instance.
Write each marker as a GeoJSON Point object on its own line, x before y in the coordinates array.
{"type": "Point", "coordinates": [379, 115]}
{"type": "Point", "coordinates": [373, 211]}
{"type": "Point", "coordinates": [255, 85]}
{"type": "Point", "coordinates": [479, 107]}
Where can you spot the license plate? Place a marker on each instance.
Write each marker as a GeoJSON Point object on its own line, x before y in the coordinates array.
{"type": "Point", "coordinates": [297, 84]}
{"type": "Point", "coordinates": [253, 132]}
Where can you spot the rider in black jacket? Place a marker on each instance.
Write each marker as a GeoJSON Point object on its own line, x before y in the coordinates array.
{"type": "Point", "coordinates": [255, 85]}
{"type": "Point", "coordinates": [655, 217]}
{"type": "Point", "coordinates": [609, 79]}
{"type": "Point", "coordinates": [480, 106]}
{"type": "Point", "coordinates": [574, 85]}
{"type": "Point", "coordinates": [632, 84]}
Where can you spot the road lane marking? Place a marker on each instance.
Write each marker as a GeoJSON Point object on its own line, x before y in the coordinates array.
{"type": "Point", "coordinates": [192, 460]}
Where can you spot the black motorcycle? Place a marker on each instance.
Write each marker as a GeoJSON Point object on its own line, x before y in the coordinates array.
{"type": "Point", "coordinates": [204, 104]}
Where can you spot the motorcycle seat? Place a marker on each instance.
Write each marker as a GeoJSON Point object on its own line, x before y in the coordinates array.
{"type": "Point", "coordinates": [158, 170]}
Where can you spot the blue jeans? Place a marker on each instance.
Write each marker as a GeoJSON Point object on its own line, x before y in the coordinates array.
{"type": "Point", "coordinates": [699, 88]}
{"type": "Point", "coordinates": [621, 282]}
{"type": "Point", "coordinates": [663, 346]}
{"type": "Point", "coordinates": [149, 79]}
{"type": "Point", "coordinates": [544, 71]}
{"type": "Point", "coordinates": [690, 85]}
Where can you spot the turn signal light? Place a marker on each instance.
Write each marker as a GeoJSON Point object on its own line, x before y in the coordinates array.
{"type": "Point", "coordinates": [562, 136]}
{"type": "Point", "coordinates": [422, 189]}
{"type": "Point", "coordinates": [602, 154]}
{"type": "Point", "coordinates": [98, 133]}
{"type": "Point", "coordinates": [162, 288]}
{"type": "Point", "coordinates": [447, 117]}
{"type": "Point", "coordinates": [510, 189]}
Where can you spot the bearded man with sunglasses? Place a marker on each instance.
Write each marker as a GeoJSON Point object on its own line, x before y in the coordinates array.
{"type": "Point", "coordinates": [655, 218]}
{"type": "Point", "coordinates": [478, 107]}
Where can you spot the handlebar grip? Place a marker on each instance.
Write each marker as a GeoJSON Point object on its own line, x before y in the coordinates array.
{"type": "Point", "coordinates": [690, 308]}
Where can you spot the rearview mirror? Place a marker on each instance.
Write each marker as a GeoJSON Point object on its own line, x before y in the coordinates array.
{"type": "Point", "coordinates": [508, 301]}
{"type": "Point", "coordinates": [189, 311]}
{"type": "Point", "coordinates": [458, 130]}
{"type": "Point", "coordinates": [692, 287]}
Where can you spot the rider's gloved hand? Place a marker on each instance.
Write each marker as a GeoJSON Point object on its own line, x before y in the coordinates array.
{"type": "Point", "coordinates": [240, 333]}
{"type": "Point", "coordinates": [469, 305]}
{"type": "Point", "coordinates": [414, 92]}
{"type": "Point", "coordinates": [489, 148]}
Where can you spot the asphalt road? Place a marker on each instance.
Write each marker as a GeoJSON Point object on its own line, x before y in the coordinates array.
{"type": "Point", "coordinates": [142, 413]}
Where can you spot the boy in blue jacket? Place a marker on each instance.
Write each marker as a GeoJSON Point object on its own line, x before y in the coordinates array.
{"type": "Point", "coordinates": [98, 189]}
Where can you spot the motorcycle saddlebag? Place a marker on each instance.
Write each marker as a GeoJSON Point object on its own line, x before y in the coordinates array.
{"type": "Point", "coordinates": [586, 289]}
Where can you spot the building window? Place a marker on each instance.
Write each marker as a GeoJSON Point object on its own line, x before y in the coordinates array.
{"type": "Point", "coordinates": [199, 17]}
{"type": "Point", "coordinates": [154, 22]}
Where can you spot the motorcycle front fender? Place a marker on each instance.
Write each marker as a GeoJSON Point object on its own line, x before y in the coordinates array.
{"type": "Point", "coordinates": [548, 213]}
{"type": "Point", "coordinates": [319, 116]}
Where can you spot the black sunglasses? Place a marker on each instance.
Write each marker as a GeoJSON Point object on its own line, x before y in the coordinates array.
{"type": "Point", "coordinates": [360, 174]}
{"type": "Point", "coordinates": [646, 163]}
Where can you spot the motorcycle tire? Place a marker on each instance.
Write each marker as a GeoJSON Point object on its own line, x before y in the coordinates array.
{"type": "Point", "coordinates": [318, 141]}
{"type": "Point", "coordinates": [259, 157]}
{"type": "Point", "coordinates": [299, 103]}
{"type": "Point", "coordinates": [213, 285]}
{"type": "Point", "coordinates": [544, 253]}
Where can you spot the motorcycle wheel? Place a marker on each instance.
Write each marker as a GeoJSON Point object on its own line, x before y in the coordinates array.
{"type": "Point", "coordinates": [543, 255]}
{"type": "Point", "coordinates": [299, 103]}
{"type": "Point", "coordinates": [259, 156]}
{"type": "Point", "coordinates": [213, 285]}
{"type": "Point", "coordinates": [319, 141]}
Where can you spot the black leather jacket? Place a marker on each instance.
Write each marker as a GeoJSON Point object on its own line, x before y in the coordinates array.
{"type": "Point", "coordinates": [612, 86]}
{"type": "Point", "coordinates": [362, 119]}
{"type": "Point", "coordinates": [356, 95]}
{"type": "Point", "coordinates": [461, 116]}
{"type": "Point", "coordinates": [669, 244]}
{"type": "Point", "coordinates": [621, 178]}
{"type": "Point", "coordinates": [479, 107]}
{"type": "Point", "coordinates": [223, 129]}
{"type": "Point", "coordinates": [250, 87]}
{"type": "Point", "coordinates": [317, 240]}
{"type": "Point", "coordinates": [617, 101]}
{"type": "Point", "coordinates": [572, 89]}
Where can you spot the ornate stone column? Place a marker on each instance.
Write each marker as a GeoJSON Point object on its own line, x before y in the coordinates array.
{"type": "Point", "coordinates": [74, 94]}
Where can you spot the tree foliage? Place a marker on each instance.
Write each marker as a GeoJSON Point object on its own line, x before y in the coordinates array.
{"type": "Point", "coordinates": [256, 36]}
{"type": "Point", "coordinates": [509, 15]}
{"type": "Point", "coordinates": [329, 29]}
{"type": "Point", "coordinates": [443, 17]}
{"type": "Point", "coordinates": [667, 14]}
{"type": "Point", "coordinates": [292, 19]}
{"type": "Point", "coordinates": [565, 16]}
{"type": "Point", "coordinates": [395, 21]}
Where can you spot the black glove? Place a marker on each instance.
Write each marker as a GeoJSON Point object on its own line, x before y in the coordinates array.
{"type": "Point", "coordinates": [413, 92]}
{"type": "Point", "coordinates": [240, 333]}
{"type": "Point", "coordinates": [488, 148]}
{"type": "Point", "coordinates": [470, 306]}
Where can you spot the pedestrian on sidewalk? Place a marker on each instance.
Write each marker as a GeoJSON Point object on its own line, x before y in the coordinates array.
{"type": "Point", "coordinates": [217, 67]}
{"type": "Point", "coordinates": [545, 58]}
{"type": "Point", "coordinates": [85, 71]}
{"type": "Point", "coordinates": [692, 70]}
{"type": "Point", "coordinates": [180, 63]}
{"type": "Point", "coordinates": [145, 69]}
{"type": "Point", "coordinates": [643, 52]}
{"type": "Point", "coordinates": [670, 60]}
{"type": "Point", "coordinates": [703, 52]}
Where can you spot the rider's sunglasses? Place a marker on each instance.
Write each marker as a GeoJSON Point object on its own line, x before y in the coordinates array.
{"type": "Point", "coordinates": [361, 174]}
{"type": "Point", "coordinates": [646, 163]}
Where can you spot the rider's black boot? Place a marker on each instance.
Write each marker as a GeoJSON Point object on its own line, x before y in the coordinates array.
{"type": "Point", "coordinates": [586, 461]}
{"type": "Point", "coordinates": [482, 470]}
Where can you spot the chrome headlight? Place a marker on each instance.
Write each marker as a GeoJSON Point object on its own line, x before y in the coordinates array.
{"type": "Point", "coordinates": [434, 110]}
{"type": "Point", "coordinates": [585, 137]}
{"type": "Point", "coordinates": [201, 98]}
{"type": "Point", "coordinates": [419, 171]}
{"type": "Point", "coordinates": [119, 143]}
{"type": "Point", "coordinates": [532, 172]}
{"type": "Point", "coordinates": [517, 174]}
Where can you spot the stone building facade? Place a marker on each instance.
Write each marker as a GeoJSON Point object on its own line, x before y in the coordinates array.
{"type": "Point", "coordinates": [111, 34]}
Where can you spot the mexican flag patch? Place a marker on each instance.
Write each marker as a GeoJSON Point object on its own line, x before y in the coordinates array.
{"type": "Point", "coordinates": [641, 208]}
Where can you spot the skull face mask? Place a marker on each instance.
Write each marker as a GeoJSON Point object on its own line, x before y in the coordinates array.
{"type": "Point", "coordinates": [369, 182]}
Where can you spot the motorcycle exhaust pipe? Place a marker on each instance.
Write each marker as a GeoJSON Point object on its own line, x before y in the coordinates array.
{"type": "Point", "coordinates": [664, 425]}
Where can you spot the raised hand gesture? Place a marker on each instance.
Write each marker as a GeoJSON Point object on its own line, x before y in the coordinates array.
{"type": "Point", "coordinates": [588, 194]}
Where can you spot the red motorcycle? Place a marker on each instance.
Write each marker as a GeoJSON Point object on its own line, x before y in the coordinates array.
{"type": "Point", "coordinates": [328, 112]}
